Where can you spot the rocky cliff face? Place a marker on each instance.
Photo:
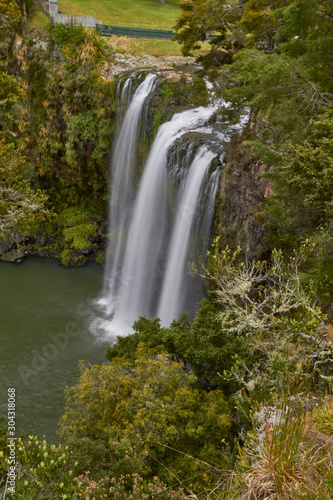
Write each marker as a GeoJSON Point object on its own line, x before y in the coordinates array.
{"type": "Point", "coordinates": [242, 190]}
{"type": "Point", "coordinates": [242, 186]}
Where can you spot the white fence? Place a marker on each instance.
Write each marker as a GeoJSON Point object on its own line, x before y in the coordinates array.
{"type": "Point", "coordinates": [53, 8]}
{"type": "Point", "coordinates": [50, 7]}
{"type": "Point", "coordinates": [68, 20]}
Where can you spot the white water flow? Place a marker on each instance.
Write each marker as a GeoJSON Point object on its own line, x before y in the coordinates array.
{"type": "Point", "coordinates": [170, 305]}
{"type": "Point", "coordinates": [123, 187]}
{"type": "Point", "coordinates": [136, 295]}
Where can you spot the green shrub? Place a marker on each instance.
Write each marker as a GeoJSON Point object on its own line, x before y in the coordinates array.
{"type": "Point", "coordinates": [42, 470]}
{"type": "Point", "coordinates": [151, 416]}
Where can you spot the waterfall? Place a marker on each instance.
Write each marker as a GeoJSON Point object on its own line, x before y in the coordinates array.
{"type": "Point", "coordinates": [123, 186]}
{"type": "Point", "coordinates": [153, 222]}
{"type": "Point", "coordinates": [170, 305]}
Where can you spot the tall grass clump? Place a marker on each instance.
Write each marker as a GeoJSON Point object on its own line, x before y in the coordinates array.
{"type": "Point", "coordinates": [286, 457]}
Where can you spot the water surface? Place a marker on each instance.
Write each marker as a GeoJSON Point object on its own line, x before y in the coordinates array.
{"type": "Point", "coordinates": [45, 315]}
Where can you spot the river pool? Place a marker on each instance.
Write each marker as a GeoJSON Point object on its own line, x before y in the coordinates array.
{"type": "Point", "coordinates": [45, 315]}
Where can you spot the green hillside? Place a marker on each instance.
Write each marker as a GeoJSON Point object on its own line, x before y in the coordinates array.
{"type": "Point", "coordinates": [129, 13]}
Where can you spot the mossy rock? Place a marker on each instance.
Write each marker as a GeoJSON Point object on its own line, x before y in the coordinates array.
{"type": "Point", "coordinates": [76, 215]}
{"type": "Point", "coordinates": [68, 258]}
{"type": "Point", "coordinates": [81, 236]}
{"type": "Point", "coordinates": [78, 229]}
{"type": "Point", "coordinates": [100, 257]}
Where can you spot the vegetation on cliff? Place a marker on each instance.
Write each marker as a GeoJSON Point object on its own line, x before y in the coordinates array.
{"type": "Point", "coordinates": [273, 58]}
{"type": "Point", "coordinates": [56, 132]}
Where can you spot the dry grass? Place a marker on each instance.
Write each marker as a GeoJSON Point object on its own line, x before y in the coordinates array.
{"type": "Point", "coordinates": [139, 46]}
{"type": "Point", "coordinates": [274, 480]}
{"type": "Point", "coordinates": [293, 461]}
{"type": "Point", "coordinates": [322, 418]}
{"type": "Point", "coordinates": [120, 43]}
{"type": "Point", "coordinates": [38, 19]}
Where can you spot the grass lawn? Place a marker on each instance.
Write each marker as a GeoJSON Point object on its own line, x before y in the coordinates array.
{"type": "Point", "coordinates": [128, 13]}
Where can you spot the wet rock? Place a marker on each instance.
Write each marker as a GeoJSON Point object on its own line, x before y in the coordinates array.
{"type": "Point", "coordinates": [92, 239]}
{"type": "Point", "coordinates": [6, 245]}
{"type": "Point", "coordinates": [43, 253]}
{"type": "Point", "coordinates": [14, 255]}
{"type": "Point", "coordinates": [85, 251]}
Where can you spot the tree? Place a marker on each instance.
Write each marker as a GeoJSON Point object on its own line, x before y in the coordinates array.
{"type": "Point", "coordinates": [11, 97]}
{"type": "Point", "coordinates": [68, 127]}
{"type": "Point", "coordinates": [11, 19]}
{"type": "Point", "coordinates": [203, 18]}
{"type": "Point", "coordinates": [267, 305]}
{"type": "Point", "coordinates": [308, 167]}
{"type": "Point", "coordinates": [280, 93]}
{"type": "Point", "coordinates": [155, 401]}
{"type": "Point", "coordinates": [20, 206]}
{"type": "Point", "coordinates": [303, 185]}
{"type": "Point", "coordinates": [301, 38]}
{"type": "Point", "coordinates": [260, 23]}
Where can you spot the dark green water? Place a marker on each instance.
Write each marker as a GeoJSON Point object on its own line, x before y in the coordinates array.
{"type": "Point", "coordinates": [45, 314]}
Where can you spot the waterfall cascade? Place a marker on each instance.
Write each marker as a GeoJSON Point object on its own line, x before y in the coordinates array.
{"type": "Point", "coordinates": [123, 186]}
{"type": "Point", "coordinates": [159, 222]}
{"type": "Point", "coordinates": [170, 304]}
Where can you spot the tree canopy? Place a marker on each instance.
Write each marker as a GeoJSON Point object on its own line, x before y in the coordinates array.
{"type": "Point", "coordinates": [153, 405]}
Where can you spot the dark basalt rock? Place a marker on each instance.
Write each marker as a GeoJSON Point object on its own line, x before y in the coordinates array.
{"type": "Point", "coordinates": [6, 245]}
{"type": "Point", "coordinates": [242, 190]}
{"type": "Point", "coordinates": [43, 253]}
{"type": "Point", "coordinates": [14, 255]}
{"type": "Point", "coordinates": [9, 251]}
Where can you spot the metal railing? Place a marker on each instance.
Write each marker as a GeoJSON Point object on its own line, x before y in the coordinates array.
{"type": "Point", "coordinates": [134, 32]}
{"type": "Point", "coordinates": [106, 30]}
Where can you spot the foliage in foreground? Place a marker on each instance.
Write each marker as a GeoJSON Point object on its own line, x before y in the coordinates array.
{"type": "Point", "coordinates": [261, 337]}
{"type": "Point", "coordinates": [144, 424]}
{"type": "Point", "coordinates": [150, 418]}
{"type": "Point", "coordinates": [49, 472]}
{"type": "Point", "coordinates": [42, 470]}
